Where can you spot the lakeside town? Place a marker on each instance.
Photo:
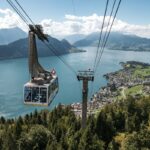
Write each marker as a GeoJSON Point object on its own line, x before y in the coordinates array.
{"type": "Point", "coordinates": [132, 80]}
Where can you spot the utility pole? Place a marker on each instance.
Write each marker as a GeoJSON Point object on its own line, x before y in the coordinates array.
{"type": "Point", "coordinates": [85, 76]}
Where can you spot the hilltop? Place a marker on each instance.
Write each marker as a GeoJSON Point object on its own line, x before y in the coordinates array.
{"type": "Point", "coordinates": [19, 48]}
{"type": "Point", "coordinates": [117, 41]}
{"type": "Point", "coordinates": [10, 35]}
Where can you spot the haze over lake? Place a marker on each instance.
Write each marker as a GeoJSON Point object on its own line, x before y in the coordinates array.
{"type": "Point", "coordinates": [14, 74]}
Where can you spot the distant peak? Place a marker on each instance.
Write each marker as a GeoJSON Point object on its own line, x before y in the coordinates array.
{"type": "Point", "coordinates": [64, 40]}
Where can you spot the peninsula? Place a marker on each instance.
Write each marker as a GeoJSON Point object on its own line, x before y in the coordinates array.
{"type": "Point", "coordinates": [132, 80]}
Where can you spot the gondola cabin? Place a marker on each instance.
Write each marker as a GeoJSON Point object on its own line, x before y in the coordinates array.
{"type": "Point", "coordinates": [40, 93]}
{"type": "Point", "coordinates": [43, 85]}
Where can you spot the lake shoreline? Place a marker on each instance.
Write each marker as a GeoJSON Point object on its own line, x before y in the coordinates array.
{"type": "Point", "coordinates": [118, 87]}
{"type": "Point", "coordinates": [78, 51]}
{"type": "Point", "coordinates": [14, 74]}
{"type": "Point", "coordinates": [14, 58]}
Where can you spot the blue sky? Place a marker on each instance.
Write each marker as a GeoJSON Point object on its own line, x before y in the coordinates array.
{"type": "Point", "coordinates": [66, 17]}
{"type": "Point", "coordinates": [131, 11]}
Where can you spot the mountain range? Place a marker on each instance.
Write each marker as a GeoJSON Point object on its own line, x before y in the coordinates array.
{"type": "Point", "coordinates": [19, 48]}
{"type": "Point", "coordinates": [10, 35]}
{"type": "Point", "coordinates": [73, 38]}
{"type": "Point", "coordinates": [14, 43]}
{"type": "Point", "coordinates": [117, 41]}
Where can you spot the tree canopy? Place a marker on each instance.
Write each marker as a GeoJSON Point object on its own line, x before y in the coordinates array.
{"type": "Point", "coordinates": [123, 124]}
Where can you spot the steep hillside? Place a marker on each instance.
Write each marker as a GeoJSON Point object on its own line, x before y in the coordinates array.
{"type": "Point", "coordinates": [118, 41]}
{"type": "Point", "coordinates": [11, 35]}
{"type": "Point", "coordinates": [19, 48]}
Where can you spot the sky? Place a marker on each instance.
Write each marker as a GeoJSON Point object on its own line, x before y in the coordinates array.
{"type": "Point", "coordinates": [67, 17]}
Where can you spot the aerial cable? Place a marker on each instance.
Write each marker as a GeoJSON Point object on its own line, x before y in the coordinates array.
{"type": "Point", "coordinates": [108, 34]}
{"type": "Point", "coordinates": [47, 45]}
{"type": "Point", "coordinates": [24, 12]}
{"type": "Point", "coordinates": [100, 36]}
{"type": "Point", "coordinates": [18, 12]}
{"type": "Point", "coordinates": [54, 52]}
{"type": "Point", "coordinates": [106, 38]}
{"type": "Point", "coordinates": [98, 46]}
{"type": "Point", "coordinates": [110, 16]}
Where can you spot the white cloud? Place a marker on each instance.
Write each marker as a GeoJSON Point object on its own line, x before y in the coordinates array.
{"type": "Point", "coordinates": [9, 19]}
{"type": "Point", "coordinates": [88, 24]}
{"type": "Point", "coordinates": [74, 25]}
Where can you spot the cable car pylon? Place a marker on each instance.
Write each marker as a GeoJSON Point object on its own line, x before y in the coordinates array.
{"type": "Point", "coordinates": [85, 76]}
{"type": "Point", "coordinates": [43, 85]}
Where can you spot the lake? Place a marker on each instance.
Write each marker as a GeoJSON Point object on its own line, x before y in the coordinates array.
{"type": "Point", "coordinates": [14, 74]}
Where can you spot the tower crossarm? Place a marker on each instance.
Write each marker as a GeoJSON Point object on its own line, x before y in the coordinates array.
{"type": "Point", "coordinates": [85, 75]}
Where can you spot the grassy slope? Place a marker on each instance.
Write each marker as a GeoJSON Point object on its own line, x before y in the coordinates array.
{"type": "Point", "coordinates": [139, 72]}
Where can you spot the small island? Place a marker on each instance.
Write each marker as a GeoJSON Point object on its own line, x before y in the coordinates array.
{"type": "Point", "coordinates": [132, 80]}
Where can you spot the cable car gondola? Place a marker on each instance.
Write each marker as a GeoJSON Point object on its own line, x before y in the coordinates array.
{"type": "Point", "coordinates": [43, 85]}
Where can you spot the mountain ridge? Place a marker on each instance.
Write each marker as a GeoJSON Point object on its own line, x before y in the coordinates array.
{"type": "Point", "coordinates": [10, 35]}
{"type": "Point", "coordinates": [117, 41]}
{"type": "Point", "coordinates": [19, 48]}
